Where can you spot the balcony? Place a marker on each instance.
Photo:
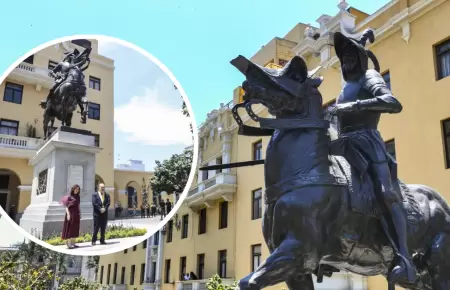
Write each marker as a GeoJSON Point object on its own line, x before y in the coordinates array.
{"type": "Point", "coordinates": [32, 75]}
{"type": "Point", "coordinates": [18, 146]}
{"type": "Point", "coordinates": [198, 284]}
{"type": "Point", "coordinates": [222, 185]}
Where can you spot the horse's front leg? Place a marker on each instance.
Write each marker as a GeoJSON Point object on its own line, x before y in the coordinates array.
{"type": "Point", "coordinates": [279, 267]}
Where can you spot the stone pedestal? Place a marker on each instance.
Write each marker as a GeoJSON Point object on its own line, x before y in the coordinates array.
{"type": "Point", "coordinates": [67, 158]}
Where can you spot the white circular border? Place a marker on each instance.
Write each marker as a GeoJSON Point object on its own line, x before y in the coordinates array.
{"type": "Point", "coordinates": [80, 252]}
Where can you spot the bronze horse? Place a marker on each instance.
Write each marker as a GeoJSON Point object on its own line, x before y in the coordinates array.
{"type": "Point", "coordinates": [70, 93]}
{"type": "Point", "coordinates": [321, 214]}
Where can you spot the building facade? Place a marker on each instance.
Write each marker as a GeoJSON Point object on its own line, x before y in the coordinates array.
{"type": "Point", "coordinates": [218, 227]}
{"type": "Point", "coordinates": [21, 121]}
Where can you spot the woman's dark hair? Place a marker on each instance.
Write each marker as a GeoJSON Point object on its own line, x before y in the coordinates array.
{"type": "Point", "coordinates": [72, 190]}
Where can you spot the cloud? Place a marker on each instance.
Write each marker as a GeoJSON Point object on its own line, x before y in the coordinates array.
{"type": "Point", "coordinates": [149, 120]}
{"type": "Point", "coordinates": [106, 46]}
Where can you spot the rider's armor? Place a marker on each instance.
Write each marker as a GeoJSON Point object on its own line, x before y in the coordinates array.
{"type": "Point", "coordinates": [370, 97]}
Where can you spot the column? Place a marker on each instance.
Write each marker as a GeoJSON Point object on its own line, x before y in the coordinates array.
{"type": "Point", "coordinates": [148, 260]}
{"type": "Point", "coordinates": [159, 262]}
{"type": "Point", "coordinates": [200, 160]}
{"type": "Point", "coordinates": [226, 149]}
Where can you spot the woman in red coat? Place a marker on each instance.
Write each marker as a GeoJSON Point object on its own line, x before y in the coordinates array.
{"type": "Point", "coordinates": [71, 228]}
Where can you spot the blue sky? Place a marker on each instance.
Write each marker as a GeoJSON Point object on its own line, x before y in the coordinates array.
{"type": "Point", "coordinates": [148, 123]}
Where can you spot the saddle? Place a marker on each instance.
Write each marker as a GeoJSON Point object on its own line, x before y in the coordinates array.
{"type": "Point", "coordinates": [349, 164]}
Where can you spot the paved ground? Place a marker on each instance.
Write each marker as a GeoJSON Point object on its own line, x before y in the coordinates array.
{"type": "Point", "coordinates": [147, 223]}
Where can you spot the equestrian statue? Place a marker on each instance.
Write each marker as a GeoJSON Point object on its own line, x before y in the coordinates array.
{"type": "Point", "coordinates": [336, 204]}
{"type": "Point", "coordinates": [69, 90]}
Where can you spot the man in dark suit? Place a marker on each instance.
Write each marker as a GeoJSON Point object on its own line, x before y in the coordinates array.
{"type": "Point", "coordinates": [100, 202]}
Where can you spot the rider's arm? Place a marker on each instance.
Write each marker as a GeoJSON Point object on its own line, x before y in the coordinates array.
{"type": "Point", "coordinates": [383, 100]}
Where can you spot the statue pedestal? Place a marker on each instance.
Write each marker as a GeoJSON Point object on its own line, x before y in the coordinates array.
{"type": "Point", "coordinates": [67, 158]}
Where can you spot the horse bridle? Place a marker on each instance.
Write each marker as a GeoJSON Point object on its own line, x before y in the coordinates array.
{"type": "Point", "coordinates": [267, 128]}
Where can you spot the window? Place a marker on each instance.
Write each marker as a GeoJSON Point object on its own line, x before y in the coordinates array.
{"type": "Point", "coordinates": [96, 140]}
{"type": "Point", "coordinates": [201, 266]}
{"type": "Point", "coordinates": [29, 59]}
{"type": "Point", "coordinates": [167, 274]}
{"type": "Point", "coordinates": [446, 136]}
{"type": "Point", "coordinates": [122, 276]}
{"type": "Point", "coordinates": [94, 83]}
{"type": "Point", "coordinates": [52, 64]}
{"type": "Point", "coordinates": [142, 273]}
{"type": "Point", "coordinates": [134, 248]}
{"type": "Point", "coordinates": [82, 42]}
{"type": "Point", "coordinates": [94, 111]}
{"type": "Point", "coordinates": [101, 274]}
{"type": "Point", "coordinates": [387, 78]}
{"type": "Point", "coordinates": [182, 268]}
{"type": "Point", "coordinates": [144, 244]}
{"type": "Point", "coordinates": [256, 256]}
{"type": "Point", "coordinates": [442, 52]}
{"type": "Point", "coordinates": [223, 215]}
{"type": "Point", "coordinates": [390, 148]}
{"type": "Point", "coordinates": [114, 281]}
{"type": "Point", "coordinates": [257, 204]}
{"type": "Point", "coordinates": [156, 239]}
{"type": "Point", "coordinates": [133, 269]}
{"type": "Point", "coordinates": [328, 116]}
{"type": "Point", "coordinates": [202, 221]}
{"type": "Point", "coordinates": [222, 264]}
{"type": "Point", "coordinates": [218, 162]}
{"type": "Point", "coordinates": [108, 275]}
{"type": "Point", "coordinates": [257, 150]}
{"type": "Point", "coordinates": [13, 93]}
{"type": "Point", "coordinates": [205, 175]}
{"type": "Point", "coordinates": [184, 230]}
{"type": "Point", "coordinates": [169, 231]}
{"type": "Point", "coordinates": [9, 127]}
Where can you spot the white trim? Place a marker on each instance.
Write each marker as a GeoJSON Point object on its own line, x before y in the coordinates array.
{"type": "Point", "coordinates": [24, 188]}
{"type": "Point", "coordinates": [109, 188]}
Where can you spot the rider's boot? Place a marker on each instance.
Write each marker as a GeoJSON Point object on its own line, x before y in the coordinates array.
{"type": "Point", "coordinates": [403, 269]}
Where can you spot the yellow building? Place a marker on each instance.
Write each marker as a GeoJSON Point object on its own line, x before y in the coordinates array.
{"type": "Point", "coordinates": [218, 228]}
{"type": "Point", "coordinates": [21, 121]}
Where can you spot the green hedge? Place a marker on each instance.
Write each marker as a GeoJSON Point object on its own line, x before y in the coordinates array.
{"type": "Point", "coordinates": [112, 232]}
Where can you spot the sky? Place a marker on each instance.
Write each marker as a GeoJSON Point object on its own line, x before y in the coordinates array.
{"type": "Point", "coordinates": [195, 39]}
{"type": "Point", "coordinates": [148, 122]}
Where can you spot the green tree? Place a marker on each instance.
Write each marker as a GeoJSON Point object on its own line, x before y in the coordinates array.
{"type": "Point", "coordinates": [172, 174]}
{"type": "Point", "coordinates": [92, 263]}
{"type": "Point", "coordinates": [16, 273]}
{"type": "Point", "coordinates": [216, 283]}
{"type": "Point", "coordinates": [80, 283]}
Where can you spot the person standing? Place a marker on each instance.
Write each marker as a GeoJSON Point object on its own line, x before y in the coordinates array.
{"type": "Point", "coordinates": [71, 228]}
{"type": "Point", "coordinates": [100, 202]}
{"type": "Point", "coordinates": [153, 209]}
{"type": "Point", "coordinates": [168, 206]}
{"type": "Point", "coordinates": [12, 212]}
{"type": "Point", "coordinates": [162, 208]}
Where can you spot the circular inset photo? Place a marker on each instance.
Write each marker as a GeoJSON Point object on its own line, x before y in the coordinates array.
{"type": "Point", "coordinates": [97, 143]}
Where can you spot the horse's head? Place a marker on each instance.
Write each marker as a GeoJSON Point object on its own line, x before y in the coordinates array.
{"type": "Point", "coordinates": [288, 92]}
